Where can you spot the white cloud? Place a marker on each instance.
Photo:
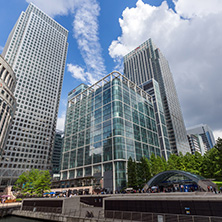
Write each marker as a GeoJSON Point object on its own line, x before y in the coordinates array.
{"type": "Point", "coordinates": [217, 133]}
{"type": "Point", "coordinates": [1, 48]}
{"type": "Point", "coordinates": [55, 7]}
{"type": "Point", "coordinates": [192, 46]}
{"type": "Point", "coordinates": [85, 29]}
{"type": "Point", "coordinates": [77, 72]}
{"type": "Point", "coordinates": [190, 8]}
{"type": "Point", "coordinates": [61, 121]}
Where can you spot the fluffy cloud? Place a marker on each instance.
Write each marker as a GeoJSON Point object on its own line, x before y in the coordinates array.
{"type": "Point", "coordinates": [217, 133]}
{"type": "Point", "coordinates": [85, 29]}
{"type": "Point", "coordinates": [190, 8]}
{"type": "Point", "coordinates": [192, 46]}
{"type": "Point", "coordinates": [55, 7]}
{"type": "Point", "coordinates": [77, 72]}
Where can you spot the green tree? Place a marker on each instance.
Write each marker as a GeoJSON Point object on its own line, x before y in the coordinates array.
{"type": "Point", "coordinates": [33, 182]}
{"type": "Point", "coordinates": [157, 164]}
{"type": "Point", "coordinates": [132, 173]}
{"type": "Point", "coordinates": [212, 164]}
{"type": "Point", "coordinates": [143, 172]}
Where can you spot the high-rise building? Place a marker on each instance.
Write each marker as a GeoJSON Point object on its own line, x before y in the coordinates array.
{"type": "Point", "coordinates": [57, 152]}
{"type": "Point", "coordinates": [146, 62]}
{"type": "Point", "coordinates": [36, 50]}
{"type": "Point", "coordinates": [205, 132]}
{"type": "Point", "coordinates": [7, 101]}
{"type": "Point", "coordinates": [107, 123]}
{"type": "Point", "coordinates": [152, 88]}
{"type": "Point", "coordinates": [196, 144]}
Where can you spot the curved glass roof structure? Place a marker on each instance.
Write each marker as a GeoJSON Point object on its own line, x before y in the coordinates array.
{"type": "Point", "coordinates": [174, 176]}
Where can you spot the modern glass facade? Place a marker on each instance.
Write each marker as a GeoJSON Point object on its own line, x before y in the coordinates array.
{"type": "Point", "coordinates": [152, 88]}
{"type": "Point", "coordinates": [106, 124]}
{"type": "Point", "coordinates": [146, 62]}
{"type": "Point", "coordinates": [57, 152]}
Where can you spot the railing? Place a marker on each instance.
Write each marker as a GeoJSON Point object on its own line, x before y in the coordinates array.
{"type": "Point", "coordinates": [125, 216]}
{"type": "Point", "coordinates": [96, 214]}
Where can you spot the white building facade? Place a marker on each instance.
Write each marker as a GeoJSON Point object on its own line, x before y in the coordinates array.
{"type": "Point", "coordinates": [36, 50]}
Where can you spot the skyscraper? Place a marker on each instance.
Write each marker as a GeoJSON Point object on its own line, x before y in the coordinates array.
{"type": "Point", "coordinates": [146, 62]}
{"type": "Point", "coordinates": [196, 144]}
{"type": "Point", "coordinates": [205, 132]}
{"type": "Point", "coordinates": [36, 50]}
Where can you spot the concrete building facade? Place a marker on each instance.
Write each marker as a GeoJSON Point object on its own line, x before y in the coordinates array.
{"type": "Point", "coordinates": [36, 50]}
{"type": "Point", "coordinates": [7, 101]}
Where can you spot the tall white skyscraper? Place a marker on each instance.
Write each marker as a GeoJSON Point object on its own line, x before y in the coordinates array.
{"type": "Point", "coordinates": [36, 50]}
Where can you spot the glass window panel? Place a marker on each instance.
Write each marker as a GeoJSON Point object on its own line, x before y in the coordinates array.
{"type": "Point", "coordinates": [88, 171]}
{"type": "Point", "coordinates": [79, 172]}
{"type": "Point", "coordinates": [72, 161]}
{"type": "Point", "coordinates": [107, 150]}
{"type": "Point", "coordinates": [118, 127]}
{"type": "Point", "coordinates": [88, 156]}
{"type": "Point", "coordinates": [138, 149]}
{"type": "Point", "coordinates": [80, 157]}
{"type": "Point", "coordinates": [136, 130]}
{"type": "Point", "coordinates": [65, 161]}
{"type": "Point", "coordinates": [146, 151]}
{"type": "Point", "coordinates": [107, 129]}
{"type": "Point", "coordinates": [119, 148]}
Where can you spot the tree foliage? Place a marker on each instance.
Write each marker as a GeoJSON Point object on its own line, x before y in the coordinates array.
{"type": "Point", "coordinates": [33, 182]}
{"type": "Point", "coordinates": [209, 165]}
{"type": "Point", "coordinates": [132, 173]}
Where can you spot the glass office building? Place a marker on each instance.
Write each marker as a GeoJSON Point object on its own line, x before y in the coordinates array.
{"type": "Point", "coordinates": [152, 88]}
{"type": "Point", "coordinates": [146, 62]}
{"type": "Point", "coordinates": [107, 123]}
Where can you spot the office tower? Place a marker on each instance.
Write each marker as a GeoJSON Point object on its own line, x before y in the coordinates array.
{"type": "Point", "coordinates": [57, 152]}
{"type": "Point", "coordinates": [152, 88]}
{"type": "Point", "coordinates": [205, 132]}
{"type": "Point", "coordinates": [196, 144]}
{"type": "Point", "coordinates": [146, 62]}
{"type": "Point", "coordinates": [106, 124]}
{"type": "Point", "coordinates": [7, 101]}
{"type": "Point", "coordinates": [36, 50]}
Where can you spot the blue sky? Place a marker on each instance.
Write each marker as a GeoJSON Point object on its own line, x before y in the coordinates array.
{"type": "Point", "coordinates": [188, 32]}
